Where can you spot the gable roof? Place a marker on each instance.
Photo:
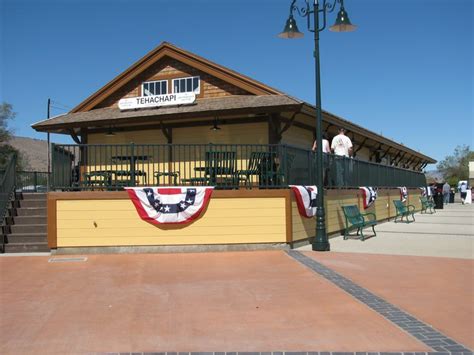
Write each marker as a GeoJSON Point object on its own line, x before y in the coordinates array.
{"type": "Point", "coordinates": [166, 49]}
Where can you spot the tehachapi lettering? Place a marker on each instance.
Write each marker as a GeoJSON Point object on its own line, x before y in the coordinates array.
{"type": "Point", "coordinates": [131, 103]}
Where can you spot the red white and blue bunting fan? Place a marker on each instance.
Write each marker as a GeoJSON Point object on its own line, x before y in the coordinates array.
{"type": "Point", "coordinates": [369, 194]}
{"type": "Point", "coordinates": [171, 205]}
{"type": "Point", "coordinates": [305, 199]}
{"type": "Point", "coordinates": [426, 191]}
{"type": "Point", "coordinates": [403, 193]}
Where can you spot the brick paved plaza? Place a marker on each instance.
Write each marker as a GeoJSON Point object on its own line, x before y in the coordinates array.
{"type": "Point", "coordinates": [369, 298]}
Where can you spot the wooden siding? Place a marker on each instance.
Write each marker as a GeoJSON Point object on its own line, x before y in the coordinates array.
{"type": "Point", "coordinates": [150, 136]}
{"type": "Point", "coordinates": [303, 228]}
{"type": "Point", "coordinates": [232, 217]}
{"type": "Point", "coordinates": [168, 69]}
{"type": "Point", "coordinates": [116, 223]}
{"type": "Point", "coordinates": [251, 133]}
{"type": "Point", "coordinates": [363, 153]}
{"type": "Point", "coordinates": [298, 137]}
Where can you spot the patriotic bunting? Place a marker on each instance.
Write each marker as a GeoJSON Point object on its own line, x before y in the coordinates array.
{"type": "Point", "coordinates": [369, 194]}
{"type": "Point", "coordinates": [177, 205]}
{"type": "Point", "coordinates": [305, 199]}
{"type": "Point", "coordinates": [403, 193]}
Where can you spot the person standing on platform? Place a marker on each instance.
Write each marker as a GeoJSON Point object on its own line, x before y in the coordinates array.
{"type": "Point", "coordinates": [341, 145]}
{"type": "Point", "coordinates": [326, 147]}
{"type": "Point", "coordinates": [326, 151]}
{"type": "Point", "coordinates": [446, 192]}
{"type": "Point", "coordinates": [463, 191]}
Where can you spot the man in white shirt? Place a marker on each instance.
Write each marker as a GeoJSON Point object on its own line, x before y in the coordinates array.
{"type": "Point", "coordinates": [341, 145]}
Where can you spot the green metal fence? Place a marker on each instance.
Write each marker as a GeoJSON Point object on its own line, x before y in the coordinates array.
{"type": "Point", "coordinates": [226, 166]}
{"type": "Point", "coordinates": [7, 189]}
{"type": "Point", "coordinates": [31, 181]}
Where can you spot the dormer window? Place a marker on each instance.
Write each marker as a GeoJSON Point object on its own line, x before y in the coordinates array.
{"type": "Point", "coordinates": [151, 88]}
{"type": "Point", "coordinates": [191, 84]}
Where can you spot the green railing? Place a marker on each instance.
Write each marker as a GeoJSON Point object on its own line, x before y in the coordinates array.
{"type": "Point", "coordinates": [31, 181]}
{"type": "Point", "coordinates": [7, 189]}
{"type": "Point", "coordinates": [226, 166]}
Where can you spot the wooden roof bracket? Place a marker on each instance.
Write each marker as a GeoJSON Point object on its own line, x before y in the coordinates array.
{"type": "Point", "coordinates": [396, 157]}
{"type": "Point", "coordinates": [74, 136]}
{"type": "Point", "coordinates": [290, 122]}
{"type": "Point", "coordinates": [400, 159]}
{"type": "Point", "coordinates": [375, 151]}
{"type": "Point", "coordinates": [359, 147]}
{"type": "Point", "coordinates": [409, 161]}
{"type": "Point", "coordinates": [167, 132]}
{"type": "Point", "coordinates": [385, 154]}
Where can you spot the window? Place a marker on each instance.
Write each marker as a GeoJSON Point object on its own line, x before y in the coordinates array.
{"type": "Point", "coordinates": [191, 84]}
{"type": "Point", "coordinates": [155, 88]}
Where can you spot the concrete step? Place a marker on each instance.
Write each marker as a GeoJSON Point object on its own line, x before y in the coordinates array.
{"type": "Point", "coordinates": [32, 211]}
{"type": "Point", "coordinates": [28, 228]}
{"type": "Point", "coordinates": [33, 196]}
{"type": "Point", "coordinates": [26, 247]}
{"type": "Point", "coordinates": [32, 203]}
{"type": "Point", "coordinates": [22, 238]}
{"type": "Point", "coordinates": [28, 220]}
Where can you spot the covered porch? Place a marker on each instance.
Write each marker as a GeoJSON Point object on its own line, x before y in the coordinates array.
{"type": "Point", "coordinates": [225, 166]}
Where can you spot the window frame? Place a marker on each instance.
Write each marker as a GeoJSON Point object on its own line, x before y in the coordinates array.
{"type": "Point", "coordinates": [198, 90]}
{"type": "Point", "coordinates": [154, 82]}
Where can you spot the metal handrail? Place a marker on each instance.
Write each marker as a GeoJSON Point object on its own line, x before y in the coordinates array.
{"type": "Point", "coordinates": [7, 190]}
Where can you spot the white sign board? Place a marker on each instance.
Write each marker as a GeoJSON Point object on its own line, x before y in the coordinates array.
{"type": "Point", "coordinates": [130, 103]}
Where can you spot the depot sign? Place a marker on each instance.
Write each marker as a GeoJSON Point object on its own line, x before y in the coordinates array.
{"type": "Point", "coordinates": [131, 103]}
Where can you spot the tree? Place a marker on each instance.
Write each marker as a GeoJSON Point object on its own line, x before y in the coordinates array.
{"type": "Point", "coordinates": [7, 114]}
{"type": "Point", "coordinates": [456, 167]}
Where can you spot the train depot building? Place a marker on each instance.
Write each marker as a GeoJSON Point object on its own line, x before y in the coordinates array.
{"type": "Point", "coordinates": [174, 120]}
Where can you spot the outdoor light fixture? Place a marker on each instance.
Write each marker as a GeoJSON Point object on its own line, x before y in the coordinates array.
{"type": "Point", "coordinates": [343, 24]}
{"type": "Point", "coordinates": [320, 7]}
{"type": "Point", "coordinates": [110, 133]}
{"type": "Point", "coordinates": [291, 30]}
{"type": "Point", "coordinates": [215, 127]}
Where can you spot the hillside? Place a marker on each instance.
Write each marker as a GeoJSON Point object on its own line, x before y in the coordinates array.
{"type": "Point", "coordinates": [34, 152]}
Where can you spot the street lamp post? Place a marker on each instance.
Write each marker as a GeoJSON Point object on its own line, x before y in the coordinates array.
{"type": "Point", "coordinates": [320, 242]}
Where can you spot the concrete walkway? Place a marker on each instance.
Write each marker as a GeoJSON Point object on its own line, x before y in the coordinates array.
{"type": "Point", "coordinates": [365, 300]}
{"type": "Point", "coordinates": [447, 233]}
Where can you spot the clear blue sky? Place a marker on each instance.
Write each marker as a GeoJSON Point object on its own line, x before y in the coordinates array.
{"type": "Point", "coordinates": [407, 72]}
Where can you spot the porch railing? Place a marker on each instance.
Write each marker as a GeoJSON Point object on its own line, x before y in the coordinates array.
{"type": "Point", "coordinates": [31, 181]}
{"type": "Point", "coordinates": [226, 166]}
{"type": "Point", "coordinates": [7, 189]}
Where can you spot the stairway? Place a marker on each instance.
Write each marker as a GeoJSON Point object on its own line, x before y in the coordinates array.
{"type": "Point", "coordinates": [26, 226]}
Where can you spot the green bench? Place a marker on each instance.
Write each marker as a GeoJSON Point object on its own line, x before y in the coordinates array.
{"type": "Point", "coordinates": [427, 204]}
{"type": "Point", "coordinates": [404, 211]}
{"type": "Point", "coordinates": [356, 220]}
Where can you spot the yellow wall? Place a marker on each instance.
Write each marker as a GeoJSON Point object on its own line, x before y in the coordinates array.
{"type": "Point", "coordinates": [298, 137]}
{"type": "Point", "coordinates": [363, 154]}
{"type": "Point", "coordinates": [383, 208]}
{"type": "Point", "coordinates": [150, 136]}
{"type": "Point", "coordinates": [185, 159]}
{"type": "Point", "coordinates": [116, 223]}
{"type": "Point", "coordinates": [249, 133]}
